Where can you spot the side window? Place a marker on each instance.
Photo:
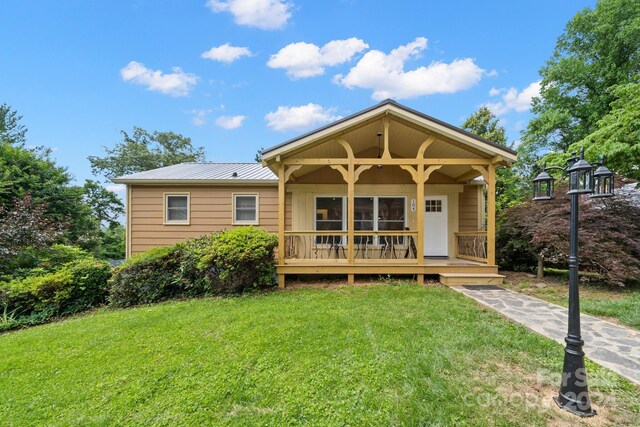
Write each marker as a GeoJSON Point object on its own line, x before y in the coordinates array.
{"type": "Point", "coordinates": [245, 209]}
{"type": "Point", "coordinates": [176, 209]}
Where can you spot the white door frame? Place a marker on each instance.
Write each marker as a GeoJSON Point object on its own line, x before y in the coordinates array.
{"type": "Point", "coordinates": [440, 229]}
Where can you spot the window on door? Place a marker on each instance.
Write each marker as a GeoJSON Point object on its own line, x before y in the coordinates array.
{"type": "Point", "coordinates": [433, 206]}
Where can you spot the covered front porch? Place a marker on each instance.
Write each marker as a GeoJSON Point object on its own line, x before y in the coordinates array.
{"type": "Point", "coordinates": [386, 191]}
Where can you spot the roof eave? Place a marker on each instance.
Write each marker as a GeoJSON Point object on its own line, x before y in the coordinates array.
{"type": "Point", "coordinates": [215, 182]}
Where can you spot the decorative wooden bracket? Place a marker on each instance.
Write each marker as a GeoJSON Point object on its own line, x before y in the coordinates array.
{"type": "Point", "coordinates": [346, 147]}
{"type": "Point", "coordinates": [290, 170]}
{"type": "Point", "coordinates": [412, 171]}
{"type": "Point", "coordinates": [483, 171]}
{"type": "Point", "coordinates": [343, 171]}
{"type": "Point", "coordinates": [429, 171]}
{"type": "Point", "coordinates": [358, 171]}
{"type": "Point", "coordinates": [423, 147]}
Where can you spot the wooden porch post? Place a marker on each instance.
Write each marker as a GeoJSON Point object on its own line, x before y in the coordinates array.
{"type": "Point", "coordinates": [281, 217]}
{"type": "Point", "coordinates": [491, 215]}
{"type": "Point", "coordinates": [350, 215]}
{"type": "Point", "coordinates": [420, 214]}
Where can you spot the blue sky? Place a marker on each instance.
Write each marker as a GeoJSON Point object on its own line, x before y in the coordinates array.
{"type": "Point", "coordinates": [237, 75]}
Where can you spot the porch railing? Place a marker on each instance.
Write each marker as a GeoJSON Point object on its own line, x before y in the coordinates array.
{"type": "Point", "coordinates": [472, 245]}
{"type": "Point", "coordinates": [368, 245]}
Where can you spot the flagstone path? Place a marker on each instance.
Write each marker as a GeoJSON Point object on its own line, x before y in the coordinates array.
{"type": "Point", "coordinates": [610, 345]}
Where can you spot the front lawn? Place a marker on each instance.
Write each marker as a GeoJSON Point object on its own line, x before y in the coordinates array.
{"type": "Point", "coordinates": [376, 355]}
{"type": "Point", "coordinates": [614, 303]}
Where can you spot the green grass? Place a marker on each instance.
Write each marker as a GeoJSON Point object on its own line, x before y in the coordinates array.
{"type": "Point", "coordinates": [615, 303]}
{"type": "Point", "coordinates": [377, 355]}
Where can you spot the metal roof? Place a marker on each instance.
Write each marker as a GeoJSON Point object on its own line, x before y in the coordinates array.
{"type": "Point", "coordinates": [218, 173]}
{"type": "Point", "coordinates": [402, 107]}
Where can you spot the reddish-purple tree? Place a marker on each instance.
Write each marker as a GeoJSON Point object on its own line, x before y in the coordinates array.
{"type": "Point", "coordinates": [609, 233]}
{"type": "Point", "coordinates": [26, 225]}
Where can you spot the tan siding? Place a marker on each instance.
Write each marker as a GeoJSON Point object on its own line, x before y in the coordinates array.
{"type": "Point", "coordinates": [210, 210]}
{"type": "Point", "coordinates": [468, 209]}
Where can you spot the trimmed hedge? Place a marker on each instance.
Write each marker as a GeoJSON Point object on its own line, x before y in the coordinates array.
{"type": "Point", "coordinates": [77, 286]}
{"type": "Point", "coordinates": [227, 262]}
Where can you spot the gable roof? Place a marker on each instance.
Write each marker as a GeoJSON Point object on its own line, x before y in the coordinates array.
{"type": "Point", "coordinates": [209, 173]}
{"type": "Point", "coordinates": [395, 108]}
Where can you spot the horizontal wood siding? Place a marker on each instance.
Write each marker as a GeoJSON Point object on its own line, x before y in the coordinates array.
{"type": "Point", "coordinates": [468, 208]}
{"type": "Point", "coordinates": [210, 210]}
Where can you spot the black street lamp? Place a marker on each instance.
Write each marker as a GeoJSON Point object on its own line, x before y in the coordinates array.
{"type": "Point", "coordinates": [574, 393]}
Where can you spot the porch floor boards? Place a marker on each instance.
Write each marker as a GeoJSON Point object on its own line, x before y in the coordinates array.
{"type": "Point", "coordinates": [433, 266]}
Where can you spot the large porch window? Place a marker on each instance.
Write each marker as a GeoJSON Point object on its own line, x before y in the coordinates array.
{"type": "Point", "coordinates": [370, 213]}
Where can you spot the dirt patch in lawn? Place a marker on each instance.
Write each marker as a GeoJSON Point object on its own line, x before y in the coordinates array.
{"type": "Point", "coordinates": [517, 388]}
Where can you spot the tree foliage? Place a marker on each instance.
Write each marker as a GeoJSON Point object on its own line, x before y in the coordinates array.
{"type": "Point", "coordinates": [26, 225]}
{"type": "Point", "coordinates": [11, 130]}
{"type": "Point", "coordinates": [34, 174]}
{"type": "Point", "coordinates": [597, 52]}
{"type": "Point", "coordinates": [142, 150]}
{"type": "Point", "coordinates": [486, 125]}
{"type": "Point", "coordinates": [617, 135]}
{"type": "Point", "coordinates": [609, 235]}
{"type": "Point", "coordinates": [105, 204]}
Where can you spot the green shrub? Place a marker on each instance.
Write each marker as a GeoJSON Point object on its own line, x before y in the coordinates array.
{"type": "Point", "coordinates": [149, 277]}
{"type": "Point", "coordinates": [191, 278]}
{"type": "Point", "coordinates": [75, 287]}
{"type": "Point", "coordinates": [34, 262]}
{"type": "Point", "coordinates": [230, 261]}
{"type": "Point", "coordinates": [240, 259]}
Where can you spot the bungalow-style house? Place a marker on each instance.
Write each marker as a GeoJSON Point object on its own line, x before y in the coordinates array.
{"type": "Point", "coordinates": [387, 190]}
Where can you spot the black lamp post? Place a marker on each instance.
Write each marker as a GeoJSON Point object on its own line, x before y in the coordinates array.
{"type": "Point", "coordinates": [574, 394]}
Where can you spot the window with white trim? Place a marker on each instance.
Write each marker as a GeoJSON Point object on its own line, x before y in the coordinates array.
{"type": "Point", "coordinates": [245, 209]}
{"type": "Point", "coordinates": [176, 209]}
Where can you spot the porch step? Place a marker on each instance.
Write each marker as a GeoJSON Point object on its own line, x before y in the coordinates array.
{"type": "Point", "coordinates": [456, 279]}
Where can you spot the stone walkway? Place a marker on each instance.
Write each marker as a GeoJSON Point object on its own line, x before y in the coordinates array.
{"type": "Point", "coordinates": [612, 346]}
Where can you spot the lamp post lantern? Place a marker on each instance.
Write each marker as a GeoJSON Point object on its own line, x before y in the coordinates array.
{"type": "Point", "coordinates": [574, 393]}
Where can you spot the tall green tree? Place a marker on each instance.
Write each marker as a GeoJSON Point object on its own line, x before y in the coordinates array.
{"type": "Point", "coordinates": [12, 131]}
{"type": "Point", "coordinates": [486, 125]}
{"type": "Point", "coordinates": [142, 150]}
{"type": "Point", "coordinates": [598, 51]}
{"type": "Point", "coordinates": [105, 205]}
{"type": "Point", "coordinates": [617, 135]}
{"type": "Point", "coordinates": [31, 174]}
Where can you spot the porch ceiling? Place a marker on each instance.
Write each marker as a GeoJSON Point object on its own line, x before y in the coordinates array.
{"type": "Point", "coordinates": [404, 142]}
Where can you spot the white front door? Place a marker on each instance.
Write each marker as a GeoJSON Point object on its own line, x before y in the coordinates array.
{"type": "Point", "coordinates": [435, 226]}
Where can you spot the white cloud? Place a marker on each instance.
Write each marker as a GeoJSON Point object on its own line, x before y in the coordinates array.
{"type": "Point", "coordinates": [230, 122]}
{"type": "Point", "coordinates": [117, 188]}
{"type": "Point", "coordinates": [512, 100]}
{"type": "Point", "coordinates": [226, 53]}
{"type": "Point", "coordinates": [299, 118]}
{"type": "Point", "coordinates": [177, 83]}
{"type": "Point", "coordinates": [303, 60]}
{"type": "Point", "coordinates": [385, 74]}
{"type": "Point", "coordinates": [263, 14]}
{"type": "Point", "coordinates": [200, 117]}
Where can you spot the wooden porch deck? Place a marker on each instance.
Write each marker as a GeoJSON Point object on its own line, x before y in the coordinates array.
{"type": "Point", "coordinates": [385, 266]}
